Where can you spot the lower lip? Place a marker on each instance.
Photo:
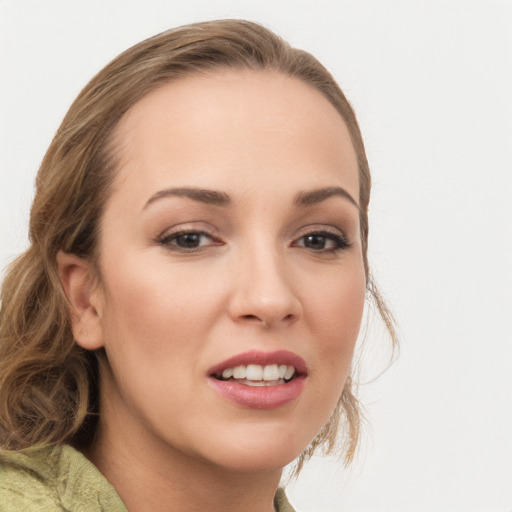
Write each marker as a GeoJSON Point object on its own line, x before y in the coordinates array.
{"type": "Point", "coordinates": [259, 397]}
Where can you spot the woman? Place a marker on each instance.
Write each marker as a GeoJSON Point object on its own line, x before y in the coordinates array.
{"type": "Point", "coordinates": [183, 323]}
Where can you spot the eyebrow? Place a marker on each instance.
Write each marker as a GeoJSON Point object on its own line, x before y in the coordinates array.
{"type": "Point", "coordinates": [196, 194]}
{"type": "Point", "coordinates": [312, 197]}
{"type": "Point", "coordinates": [218, 198]}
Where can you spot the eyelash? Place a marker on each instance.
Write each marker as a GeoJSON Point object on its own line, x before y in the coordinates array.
{"type": "Point", "coordinates": [340, 241]}
{"type": "Point", "coordinates": [166, 240]}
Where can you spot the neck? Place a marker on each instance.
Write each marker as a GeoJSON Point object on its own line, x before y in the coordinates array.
{"type": "Point", "coordinates": [176, 481]}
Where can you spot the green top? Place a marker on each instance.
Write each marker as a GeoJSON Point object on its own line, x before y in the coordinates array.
{"type": "Point", "coordinates": [62, 479]}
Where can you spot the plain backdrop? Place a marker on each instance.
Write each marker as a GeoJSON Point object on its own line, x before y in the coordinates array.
{"type": "Point", "coordinates": [431, 82]}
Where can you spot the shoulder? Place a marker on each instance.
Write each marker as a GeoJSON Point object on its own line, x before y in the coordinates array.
{"type": "Point", "coordinates": [28, 481]}
{"type": "Point", "coordinates": [53, 479]}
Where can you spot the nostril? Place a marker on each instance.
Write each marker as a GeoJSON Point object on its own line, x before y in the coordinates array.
{"type": "Point", "coordinates": [251, 317]}
{"type": "Point", "coordinates": [267, 321]}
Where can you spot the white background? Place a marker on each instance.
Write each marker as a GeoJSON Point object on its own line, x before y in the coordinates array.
{"type": "Point", "coordinates": [431, 82]}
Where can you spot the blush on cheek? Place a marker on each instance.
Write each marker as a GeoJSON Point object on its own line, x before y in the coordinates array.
{"type": "Point", "coordinates": [340, 323]}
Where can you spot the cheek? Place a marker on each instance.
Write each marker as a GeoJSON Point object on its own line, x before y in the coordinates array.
{"type": "Point", "coordinates": [156, 323]}
{"type": "Point", "coordinates": [337, 315]}
{"type": "Point", "coordinates": [150, 291]}
{"type": "Point", "coordinates": [159, 312]}
{"type": "Point", "coordinates": [333, 314]}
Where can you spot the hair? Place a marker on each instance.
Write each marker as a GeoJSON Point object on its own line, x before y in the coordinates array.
{"type": "Point", "coordinates": [48, 383]}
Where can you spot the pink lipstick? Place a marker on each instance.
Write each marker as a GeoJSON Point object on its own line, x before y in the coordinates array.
{"type": "Point", "coordinates": [260, 380]}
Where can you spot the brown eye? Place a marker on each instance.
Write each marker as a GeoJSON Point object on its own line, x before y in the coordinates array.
{"type": "Point", "coordinates": [315, 241]}
{"type": "Point", "coordinates": [186, 240]}
{"type": "Point", "coordinates": [189, 240]}
{"type": "Point", "coordinates": [322, 241]}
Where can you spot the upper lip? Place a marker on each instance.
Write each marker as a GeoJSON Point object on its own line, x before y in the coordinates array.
{"type": "Point", "coordinates": [262, 358]}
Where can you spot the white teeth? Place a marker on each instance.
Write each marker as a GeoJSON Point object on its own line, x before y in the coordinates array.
{"type": "Point", "coordinates": [290, 370]}
{"type": "Point", "coordinates": [227, 373]}
{"type": "Point", "coordinates": [239, 372]}
{"type": "Point", "coordinates": [271, 372]}
{"type": "Point", "coordinates": [254, 372]}
{"type": "Point", "coordinates": [257, 373]}
{"type": "Point", "coordinates": [260, 383]}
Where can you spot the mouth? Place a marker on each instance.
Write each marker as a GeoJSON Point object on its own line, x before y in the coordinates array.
{"type": "Point", "coordinates": [258, 375]}
{"type": "Point", "coordinates": [260, 380]}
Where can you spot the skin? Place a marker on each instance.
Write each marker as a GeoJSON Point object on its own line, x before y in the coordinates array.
{"type": "Point", "coordinates": [255, 282]}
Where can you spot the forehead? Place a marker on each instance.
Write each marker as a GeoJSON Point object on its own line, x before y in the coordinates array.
{"type": "Point", "coordinates": [234, 125]}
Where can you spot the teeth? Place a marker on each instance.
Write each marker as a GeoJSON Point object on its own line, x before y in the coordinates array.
{"type": "Point", "coordinates": [239, 372]}
{"type": "Point", "coordinates": [290, 370]}
{"type": "Point", "coordinates": [259, 374]}
{"type": "Point", "coordinates": [227, 373]}
{"type": "Point", "coordinates": [254, 372]}
{"type": "Point", "coordinates": [260, 383]}
{"type": "Point", "coordinates": [271, 372]}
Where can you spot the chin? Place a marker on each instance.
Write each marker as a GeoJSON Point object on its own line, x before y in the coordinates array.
{"type": "Point", "coordinates": [255, 461]}
{"type": "Point", "coordinates": [256, 450]}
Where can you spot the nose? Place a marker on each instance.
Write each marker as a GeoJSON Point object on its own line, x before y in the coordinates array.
{"type": "Point", "coordinates": [265, 292]}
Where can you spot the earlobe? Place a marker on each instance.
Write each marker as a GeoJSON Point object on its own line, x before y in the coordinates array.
{"type": "Point", "coordinates": [80, 285]}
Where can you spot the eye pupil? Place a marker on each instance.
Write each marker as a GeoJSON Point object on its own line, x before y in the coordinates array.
{"type": "Point", "coordinates": [188, 240]}
{"type": "Point", "coordinates": [315, 241]}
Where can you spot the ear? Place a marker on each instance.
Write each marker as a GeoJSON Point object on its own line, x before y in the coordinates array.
{"type": "Point", "coordinates": [84, 297]}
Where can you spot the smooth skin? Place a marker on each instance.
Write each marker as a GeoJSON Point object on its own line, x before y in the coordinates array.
{"type": "Point", "coordinates": [188, 280]}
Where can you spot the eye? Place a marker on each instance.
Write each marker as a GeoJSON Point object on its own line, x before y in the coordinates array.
{"type": "Point", "coordinates": [187, 240]}
{"type": "Point", "coordinates": [321, 241]}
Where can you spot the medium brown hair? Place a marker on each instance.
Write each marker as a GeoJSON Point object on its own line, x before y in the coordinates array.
{"type": "Point", "coordinates": [48, 383]}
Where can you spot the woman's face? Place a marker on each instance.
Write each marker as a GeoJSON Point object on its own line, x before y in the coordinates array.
{"type": "Point", "coordinates": [230, 245]}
